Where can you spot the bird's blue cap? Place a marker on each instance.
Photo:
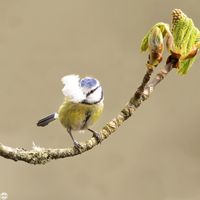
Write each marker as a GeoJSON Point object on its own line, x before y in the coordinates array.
{"type": "Point", "coordinates": [88, 82]}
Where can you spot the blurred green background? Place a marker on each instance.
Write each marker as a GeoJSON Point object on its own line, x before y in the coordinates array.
{"type": "Point", "coordinates": [155, 155]}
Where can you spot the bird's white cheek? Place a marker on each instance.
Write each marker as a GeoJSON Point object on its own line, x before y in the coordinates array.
{"type": "Point", "coordinates": [96, 96]}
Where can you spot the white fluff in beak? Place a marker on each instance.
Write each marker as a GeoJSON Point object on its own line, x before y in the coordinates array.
{"type": "Point", "coordinates": [72, 88]}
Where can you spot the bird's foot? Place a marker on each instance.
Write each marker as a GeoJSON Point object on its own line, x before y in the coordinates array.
{"type": "Point", "coordinates": [96, 135]}
{"type": "Point", "coordinates": [77, 146]}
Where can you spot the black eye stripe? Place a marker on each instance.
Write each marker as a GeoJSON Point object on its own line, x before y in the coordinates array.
{"type": "Point", "coordinates": [92, 91]}
{"type": "Point", "coordinates": [92, 103]}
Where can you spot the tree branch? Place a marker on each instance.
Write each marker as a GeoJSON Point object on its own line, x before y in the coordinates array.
{"type": "Point", "coordinates": [39, 155]}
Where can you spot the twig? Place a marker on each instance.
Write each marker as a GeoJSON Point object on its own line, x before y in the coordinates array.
{"type": "Point", "coordinates": [159, 77]}
{"type": "Point", "coordinates": [40, 155]}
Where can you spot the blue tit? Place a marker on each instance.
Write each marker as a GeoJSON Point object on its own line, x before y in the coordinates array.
{"type": "Point", "coordinates": [82, 106]}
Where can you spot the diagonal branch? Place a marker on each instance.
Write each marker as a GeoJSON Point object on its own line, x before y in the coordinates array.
{"type": "Point", "coordinates": [39, 155]}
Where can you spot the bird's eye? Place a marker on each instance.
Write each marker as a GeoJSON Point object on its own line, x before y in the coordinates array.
{"type": "Point", "coordinates": [88, 82]}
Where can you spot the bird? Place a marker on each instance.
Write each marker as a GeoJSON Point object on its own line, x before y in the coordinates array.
{"type": "Point", "coordinates": [81, 108]}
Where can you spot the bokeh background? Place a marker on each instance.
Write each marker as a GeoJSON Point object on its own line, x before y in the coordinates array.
{"type": "Point", "coordinates": [155, 155]}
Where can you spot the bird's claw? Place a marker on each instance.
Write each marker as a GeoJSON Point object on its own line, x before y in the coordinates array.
{"type": "Point", "coordinates": [78, 146]}
{"type": "Point", "coordinates": [97, 136]}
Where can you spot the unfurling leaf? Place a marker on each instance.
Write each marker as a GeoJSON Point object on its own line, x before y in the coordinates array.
{"type": "Point", "coordinates": [186, 40]}
{"type": "Point", "coordinates": [154, 44]}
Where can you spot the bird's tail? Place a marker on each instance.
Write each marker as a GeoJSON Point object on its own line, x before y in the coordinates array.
{"type": "Point", "coordinates": [45, 121]}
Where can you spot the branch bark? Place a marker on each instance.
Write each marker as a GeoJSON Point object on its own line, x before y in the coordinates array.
{"type": "Point", "coordinates": [40, 155]}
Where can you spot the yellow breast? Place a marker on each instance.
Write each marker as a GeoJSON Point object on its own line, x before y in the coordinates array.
{"type": "Point", "coordinates": [78, 116]}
